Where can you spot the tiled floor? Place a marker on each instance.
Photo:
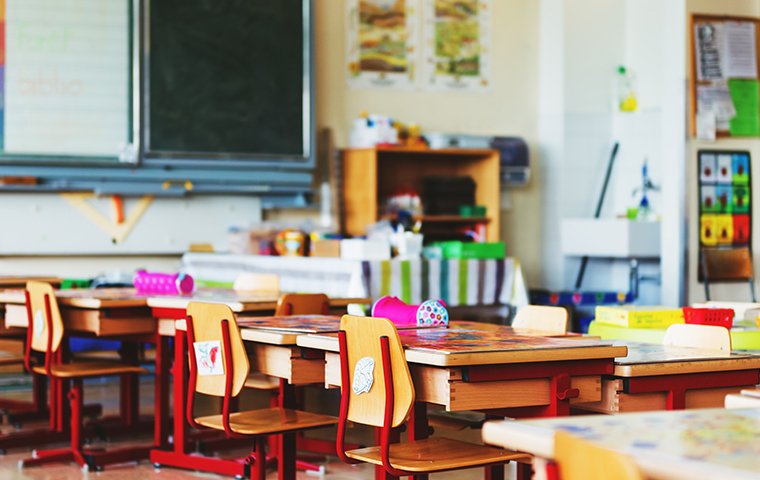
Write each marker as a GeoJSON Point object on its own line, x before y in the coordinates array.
{"type": "Point", "coordinates": [107, 393]}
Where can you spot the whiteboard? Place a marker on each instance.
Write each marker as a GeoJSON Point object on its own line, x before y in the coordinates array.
{"type": "Point", "coordinates": [66, 77]}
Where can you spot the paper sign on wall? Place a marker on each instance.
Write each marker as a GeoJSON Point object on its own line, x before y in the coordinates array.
{"type": "Point", "coordinates": [208, 357]}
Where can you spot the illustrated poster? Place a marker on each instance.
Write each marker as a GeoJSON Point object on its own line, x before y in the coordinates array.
{"type": "Point", "coordinates": [457, 44]}
{"type": "Point", "coordinates": [381, 43]}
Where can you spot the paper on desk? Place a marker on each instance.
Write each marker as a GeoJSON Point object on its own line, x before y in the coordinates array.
{"type": "Point", "coordinates": [746, 99]}
{"type": "Point", "coordinates": [741, 50]}
{"type": "Point", "coordinates": [716, 99]}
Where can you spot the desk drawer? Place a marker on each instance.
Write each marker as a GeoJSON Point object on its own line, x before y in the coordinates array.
{"type": "Point", "coordinates": [445, 386]}
{"type": "Point", "coordinates": [286, 362]}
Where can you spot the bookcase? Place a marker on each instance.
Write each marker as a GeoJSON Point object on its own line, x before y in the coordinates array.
{"type": "Point", "coordinates": [371, 175]}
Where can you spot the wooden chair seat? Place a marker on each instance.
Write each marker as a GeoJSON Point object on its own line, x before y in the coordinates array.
{"type": "Point", "coordinates": [259, 381]}
{"type": "Point", "coordinates": [267, 421]}
{"type": "Point", "coordinates": [437, 454]}
{"type": "Point", "coordinates": [89, 369]}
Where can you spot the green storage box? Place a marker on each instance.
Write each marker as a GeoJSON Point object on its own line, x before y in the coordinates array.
{"type": "Point", "coordinates": [467, 250]}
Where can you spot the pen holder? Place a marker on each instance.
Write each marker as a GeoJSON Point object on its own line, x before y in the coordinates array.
{"type": "Point", "coordinates": [428, 313]}
{"type": "Point", "coordinates": [163, 283]}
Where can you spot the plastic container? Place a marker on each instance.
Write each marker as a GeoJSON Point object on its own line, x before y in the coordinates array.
{"type": "Point", "coordinates": [163, 283]}
{"type": "Point", "coordinates": [722, 317]}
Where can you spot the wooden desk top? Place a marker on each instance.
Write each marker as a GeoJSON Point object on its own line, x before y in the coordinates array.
{"type": "Point", "coordinates": [675, 445]}
{"type": "Point", "coordinates": [93, 298]}
{"type": "Point", "coordinates": [648, 359]}
{"type": "Point", "coordinates": [281, 330]}
{"type": "Point", "coordinates": [456, 346]}
{"type": "Point", "coordinates": [237, 301]}
{"type": "Point", "coordinates": [19, 281]}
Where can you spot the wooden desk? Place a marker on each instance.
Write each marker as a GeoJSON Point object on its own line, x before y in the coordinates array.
{"type": "Point", "coordinates": [493, 369]}
{"type": "Point", "coordinates": [170, 308]}
{"type": "Point", "coordinates": [101, 312]}
{"type": "Point", "coordinates": [676, 445]}
{"type": "Point", "coordinates": [657, 377]}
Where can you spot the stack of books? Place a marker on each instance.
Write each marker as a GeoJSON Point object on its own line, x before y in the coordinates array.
{"type": "Point", "coordinates": [636, 316]}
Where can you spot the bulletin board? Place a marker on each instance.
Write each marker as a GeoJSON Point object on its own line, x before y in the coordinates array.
{"type": "Point", "coordinates": [724, 77]}
{"type": "Point", "coordinates": [725, 210]}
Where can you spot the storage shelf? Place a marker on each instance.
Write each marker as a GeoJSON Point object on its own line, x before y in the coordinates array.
{"type": "Point", "coordinates": [371, 175]}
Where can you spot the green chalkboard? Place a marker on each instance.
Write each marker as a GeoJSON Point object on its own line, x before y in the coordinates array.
{"type": "Point", "coordinates": [227, 77]}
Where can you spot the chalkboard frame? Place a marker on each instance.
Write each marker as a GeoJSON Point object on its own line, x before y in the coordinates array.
{"type": "Point", "coordinates": [230, 160]}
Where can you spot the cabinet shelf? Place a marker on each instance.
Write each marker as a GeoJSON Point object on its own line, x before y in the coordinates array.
{"type": "Point", "coordinates": [372, 175]}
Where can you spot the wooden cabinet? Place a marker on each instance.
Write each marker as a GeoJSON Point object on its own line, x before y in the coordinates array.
{"type": "Point", "coordinates": [371, 175]}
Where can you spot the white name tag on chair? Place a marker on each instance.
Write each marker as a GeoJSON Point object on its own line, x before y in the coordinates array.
{"type": "Point", "coordinates": [364, 375]}
{"type": "Point", "coordinates": [208, 358]}
{"type": "Point", "coordinates": [38, 324]}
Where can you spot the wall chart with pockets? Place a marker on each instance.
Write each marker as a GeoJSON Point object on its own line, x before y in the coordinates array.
{"type": "Point", "coordinates": [725, 211]}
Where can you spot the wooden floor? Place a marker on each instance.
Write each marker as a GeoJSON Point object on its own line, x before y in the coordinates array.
{"type": "Point", "coordinates": [107, 393]}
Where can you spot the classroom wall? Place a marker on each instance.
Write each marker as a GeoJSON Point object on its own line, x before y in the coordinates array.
{"type": "Point", "coordinates": [736, 292]}
{"type": "Point", "coordinates": [509, 108]}
{"type": "Point", "coordinates": [581, 48]}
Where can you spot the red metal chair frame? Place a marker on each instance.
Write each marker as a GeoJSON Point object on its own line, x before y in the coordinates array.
{"type": "Point", "coordinates": [257, 457]}
{"type": "Point", "coordinates": [386, 432]}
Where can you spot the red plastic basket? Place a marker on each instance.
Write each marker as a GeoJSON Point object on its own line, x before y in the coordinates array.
{"type": "Point", "coordinates": [722, 317]}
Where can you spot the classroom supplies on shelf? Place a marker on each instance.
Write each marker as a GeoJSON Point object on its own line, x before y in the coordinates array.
{"type": "Point", "coordinates": [634, 316]}
{"type": "Point", "coordinates": [428, 313]}
{"type": "Point", "coordinates": [163, 283]}
{"type": "Point", "coordinates": [723, 317]}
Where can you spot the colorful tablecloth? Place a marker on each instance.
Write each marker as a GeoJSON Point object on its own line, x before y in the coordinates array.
{"type": "Point", "coordinates": [457, 282]}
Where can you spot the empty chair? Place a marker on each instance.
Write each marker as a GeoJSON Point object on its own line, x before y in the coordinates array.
{"type": "Point", "coordinates": [46, 336]}
{"type": "Point", "coordinates": [540, 317]}
{"type": "Point", "coordinates": [727, 265]}
{"type": "Point", "coordinates": [578, 459]}
{"type": "Point", "coordinates": [377, 390]}
{"type": "Point", "coordinates": [303, 304]}
{"type": "Point", "coordinates": [711, 337]}
{"type": "Point", "coordinates": [219, 367]}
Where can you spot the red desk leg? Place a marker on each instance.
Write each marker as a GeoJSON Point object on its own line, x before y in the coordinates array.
{"type": "Point", "coordinates": [129, 407]}
{"type": "Point", "coordinates": [418, 428]}
{"type": "Point", "coordinates": [161, 408]}
{"type": "Point", "coordinates": [180, 396]}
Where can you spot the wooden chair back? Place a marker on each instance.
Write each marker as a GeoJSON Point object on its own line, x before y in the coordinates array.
{"type": "Point", "coordinates": [727, 265]}
{"type": "Point", "coordinates": [303, 304]}
{"type": "Point", "coordinates": [579, 459]}
{"type": "Point", "coordinates": [710, 337]}
{"type": "Point", "coordinates": [366, 376]}
{"type": "Point", "coordinates": [540, 317]}
{"type": "Point", "coordinates": [45, 323]}
{"type": "Point", "coordinates": [206, 343]}
{"type": "Point", "coordinates": [258, 282]}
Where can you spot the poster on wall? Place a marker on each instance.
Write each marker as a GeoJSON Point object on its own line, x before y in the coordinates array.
{"type": "Point", "coordinates": [725, 211]}
{"type": "Point", "coordinates": [381, 43]}
{"type": "Point", "coordinates": [457, 44]}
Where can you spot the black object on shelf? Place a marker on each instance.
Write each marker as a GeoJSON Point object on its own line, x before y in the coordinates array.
{"type": "Point", "coordinates": [442, 195]}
